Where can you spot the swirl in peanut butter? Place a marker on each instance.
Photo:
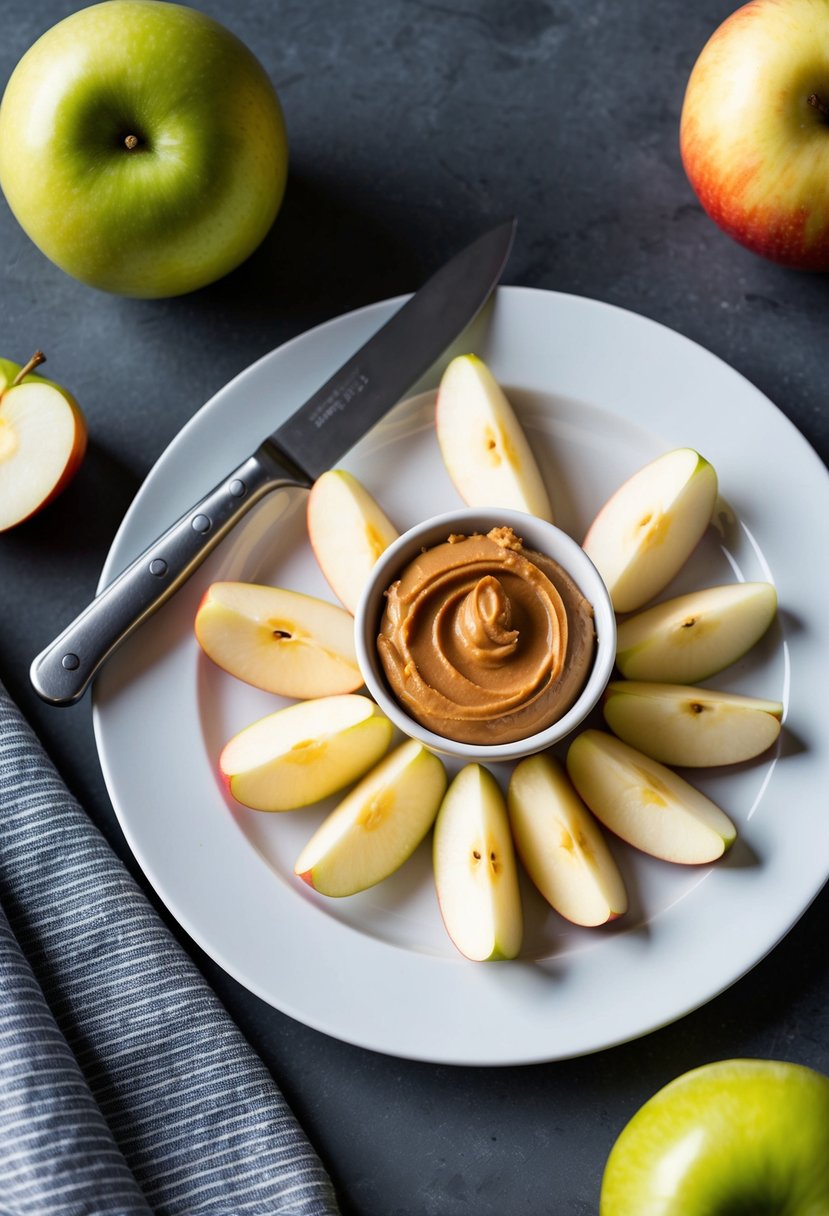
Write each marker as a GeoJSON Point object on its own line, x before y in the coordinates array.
{"type": "Point", "coordinates": [483, 641]}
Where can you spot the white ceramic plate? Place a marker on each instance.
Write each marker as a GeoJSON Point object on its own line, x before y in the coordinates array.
{"type": "Point", "coordinates": [600, 391]}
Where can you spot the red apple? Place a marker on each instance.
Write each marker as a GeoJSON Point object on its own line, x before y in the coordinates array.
{"type": "Point", "coordinates": [754, 133]}
{"type": "Point", "coordinates": [42, 441]}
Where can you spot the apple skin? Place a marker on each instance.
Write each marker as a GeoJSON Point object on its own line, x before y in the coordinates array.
{"type": "Point", "coordinates": [754, 148]}
{"type": "Point", "coordinates": [732, 1136]}
{"type": "Point", "coordinates": [20, 497]}
{"type": "Point", "coordinates": [203, 185]}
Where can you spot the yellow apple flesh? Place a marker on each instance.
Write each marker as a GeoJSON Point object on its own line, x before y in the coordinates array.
{"type": "Point", "coordinates": [645, 803]}
{"type": "Point", "coordinates": [348, 531]}
{"type": "Point", "coordinates": [647, 530]}
{"type": "Point", "coordinates": [282, 641]}
{"type": "Point", "coordinates": [476, 878]}
{"type": "Point", "coordinates": [691, 637]}
{"type": "Point", "coordinates": [378, 825]}
{"type": "Point", "coordinates": [691, 727]}
{"type": "Point", "coordinates": [42, 441]}
{"type": "Point", "coordinates": [303, 753]}
{"type": "Point", "coordinates": [483, 445]}
{"type": "Point", "coordinates": [561, 845]}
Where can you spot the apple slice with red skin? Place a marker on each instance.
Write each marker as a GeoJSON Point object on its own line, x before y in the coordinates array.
{"type": "Point", "coordinates": [377, 826]}
{"type": "Point", "coordinates": [688, 726]}
{"type": "Point", "coordinates": [645, 803]}
{"type": "Point", "coordinates": [561, 845]}
{"type": "Point", "coordinates": [42, 441]}
{"type": "Point", "coordinates": [282, 641]}
{"type": "Point", "coordinates": [348, 531]}
{"type": "Point", "coordinates": [303, 753]}
{"type": "Point", "coordinates": [476, 877]}
{"type": "Point", "coordinates": [483, 445]}
{"type": "Point", "coordinates": [649, 527]}
{"type": "Point", "coordinates": [691, 637]}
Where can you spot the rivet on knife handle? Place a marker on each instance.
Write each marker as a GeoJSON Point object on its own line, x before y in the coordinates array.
{"type": "Point", "coordinates": [61, 673]}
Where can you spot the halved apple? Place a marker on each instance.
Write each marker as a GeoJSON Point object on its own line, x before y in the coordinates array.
{"type": "Point", "coordinates": [483, 444]}
{"type": "Point", "coordinates": [645, 803]}
{"type": "Point", "coordinates": [691, 637]}
{"type": "Point", "coordinates": [377, 826]}
{"type": "Point", "coordinates": [646, 531]}
{"type": "Point", "coordinates": [561, 845]}
{"type": "Point", "coordinates": [42, 440]}
{"type": "Point", "coordinates": [281, 641]}
{"type": "Point", "coordinates": [691, 727]}
{"type": "Point", "coordinates": [348, 531]}
{"type": "Point", "coordinates": [304, 752]}
{"type": "Point", "coordinates": [475, 872]}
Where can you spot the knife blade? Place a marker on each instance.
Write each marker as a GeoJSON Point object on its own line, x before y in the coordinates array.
{"type": "Point", "coordinates": [315, 436]}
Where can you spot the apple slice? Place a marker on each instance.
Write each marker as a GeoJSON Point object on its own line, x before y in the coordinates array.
{"type": "Point", "coordinates": [377, 826]}
{"type": "Point", "coordinates": [348, 531]}
{"type": "Point", "coordinates": [42, 441]}
{"type": "Point", "coordinates": [561, 844]}
{"type": "Point", "coordinates": [691, 637]}
{"type": "Point", "coordinates": [483, 445]}
{"type": "Point", "coordinates": [305, 752]}
{"type": "Point", "coordinates": [691, 727]}
{"type": "Point", "coordinates": [475, 872]}
{"type": "Point", "coordinates": [646, 531]}
{"type": "Point", "coordinates": [281, 641]}
{"type": "Point", "coordinates": [646, 804]}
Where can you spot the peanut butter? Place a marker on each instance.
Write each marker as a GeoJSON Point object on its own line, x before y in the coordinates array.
{"type": "Point", "coordinates": [483, 641]}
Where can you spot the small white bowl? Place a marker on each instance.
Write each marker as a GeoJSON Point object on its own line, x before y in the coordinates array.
{"type": "Point", "coordinates": [536, 534]}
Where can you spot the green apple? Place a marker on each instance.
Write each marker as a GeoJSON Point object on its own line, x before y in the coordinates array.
{"type": "Point", "coordinates": [476, 877]}
{"type": "Point", "coordinates": [142, 147]}
{"type": "Point", "coordinates": [282, 641]}
{"type": "Point", "coordinates": [735, 1136]}
{"type": "Point", "coordinates": [377, 826]}
{"type": "Point", "coordinates": [648, 528]}
{"type": "Point", "coordinates": [303, 753]}
{"type": "Point", "coordinates": [483, 445]}
{"type": "Point", "coordinates": [42, 440]}
{"type": "Point", "coordinates": [754, 132]}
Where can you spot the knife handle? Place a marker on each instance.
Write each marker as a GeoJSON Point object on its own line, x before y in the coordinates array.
{"type": "Point", "coordinates": [60, 673]}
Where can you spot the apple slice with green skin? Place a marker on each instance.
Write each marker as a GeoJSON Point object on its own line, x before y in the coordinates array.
{"type": "Point", "coordinates": [42, 441]}
{"type": "Point", "coordinates": [476, 877]}
{"type": "Point", "coordinates": [691, 637]}
{"type": "Point", "coordinates": [645, 803]}
{"type": "Point", "coordinates": [348, 531]}
{"type": "Point", "coordinates": [304, 752]}
{"type": "Point", "coordinates": [377, 826]}
{"type": "Point", "coordinates": [732, 1136]}
{"type": "Point", "coordinates": [483, 444]}
{"type": "Point", "coordinates": [562, 846]}
{"type": "Point", "coordinates": [691, 727]}
{"type": "Point", "coordinates": [647, 530]}
{"type": "Point", "coordinates": [281, 641]}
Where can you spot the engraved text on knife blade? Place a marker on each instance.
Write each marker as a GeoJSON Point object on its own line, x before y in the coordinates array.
{"type": "Point", "coordinates": [339, 398]}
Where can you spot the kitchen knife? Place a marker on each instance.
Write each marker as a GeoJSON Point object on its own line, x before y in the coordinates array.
{"type": "Point", "coordinates": [313, 439]}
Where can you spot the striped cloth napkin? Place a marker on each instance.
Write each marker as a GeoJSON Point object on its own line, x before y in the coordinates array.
{"type": "Point", "coordinates": [125, 1088]}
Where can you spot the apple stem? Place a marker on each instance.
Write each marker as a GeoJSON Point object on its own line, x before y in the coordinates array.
{"type": "Point", "coordinates": [817, 103]}
{"type": "Point", "coordinates": [130, 142]}
{"type": "Point", "coordinates": [37, 358]}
